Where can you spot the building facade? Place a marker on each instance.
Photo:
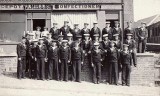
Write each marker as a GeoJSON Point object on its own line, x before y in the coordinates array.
{"type": "Point", "coordinates": [20, 16]}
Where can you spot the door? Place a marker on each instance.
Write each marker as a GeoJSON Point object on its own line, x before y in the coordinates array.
{"type": "Point", "coordinates": [38, 19]}
{"type": "Point", "coordinates": [39, 22]}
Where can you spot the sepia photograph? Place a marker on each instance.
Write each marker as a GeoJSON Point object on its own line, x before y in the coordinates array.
{"type": "Point", "coordinates": [79, 47]}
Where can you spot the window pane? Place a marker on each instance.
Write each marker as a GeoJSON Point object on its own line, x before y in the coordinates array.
{"type": "Point", "coordinates": [18, 17]}
{"type": "Point", "coordinates": [39, 15]}
{"type": "Point", "coordinates": [5, 17]}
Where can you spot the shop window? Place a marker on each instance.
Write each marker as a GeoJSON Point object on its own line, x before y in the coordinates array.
{"type": "Point", "coordinates": [18, 17]}
{"type": "Point", "coordinates": [5, 17]}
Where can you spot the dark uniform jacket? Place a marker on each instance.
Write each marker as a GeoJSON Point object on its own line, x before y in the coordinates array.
{"type": "Point", "coordinates": [59, 43]}
{"type": "Point", "coordinates": [55, 33]}
{"type": "Point", "coordinates": [142, 33]}
{"type": "Point", "coordinates": [32, 51]}
{"type": "Point", "coordinates": [118, 44]}
{"type": "Point", "coordinates": [96, 57]}
{"type": "Point", "coordinates": [77, 54]}
{"type": "Point", "coordinates": [113, 56]}
{"type": "Point", "coordinates": [41, 52]}
{"type": "Point", "coordinates": [76, 33]}
{"type": "Point", "coordinates": [95, 31]}
{"type": "Point", "coordinates": [21, 50]}
{"type": "Point", "coordinates": [105, 45]}
{"type": "Point", "coordinates": [71, 44]}
{"type": "Point", "coordinates": [118, 31]}
{"type": "Point", "coordinates": [125, 58]}
{"type": "Point", "coordinates": [83, 31]}
{"type": "Point", "coordinates": [132, 44]}
{"type": "Point", "coordinates": [65, 53]}
{"type": "Point", "coordinates": [109, 32]}
{"type": "Point", "coordinates": [129, 31]}
{"type": "Point", "coordinates": [53, 54]}
{"type": "Point", "coordinates": [65, 32]}
{"type": "Point", "coordinates": [86, 46]}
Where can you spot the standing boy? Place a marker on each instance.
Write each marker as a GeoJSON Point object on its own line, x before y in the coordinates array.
{"type": "Point", "coordinates": [21, 52]}
{"type": "Point", "coordinates": [96, 59]}
{"type": "Point", "coordinates": [126, 61]}
{"type": "Point", "coordinates": [113, 60]}
{"type": "Point", "coordinates": [53, 57]}
{"type": "Point", "coordinates": [65, 57]}
{"type": "Point", "coordinates": [77, 60]}
{"type": "Point", "coordinates": [41, 54]}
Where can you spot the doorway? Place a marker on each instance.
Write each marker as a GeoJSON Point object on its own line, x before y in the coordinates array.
{"type": "Point", "coordinates": [38, 22]}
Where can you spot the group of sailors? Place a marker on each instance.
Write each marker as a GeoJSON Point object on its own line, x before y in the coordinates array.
{"type": "Point", "coordinates": [48, 54]}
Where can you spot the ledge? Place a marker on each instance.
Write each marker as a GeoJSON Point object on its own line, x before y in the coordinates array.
{"type": "Point", "coordinates": [8, 55]}
{"type": "Point", "coordinates": [9, 43]}
{"type": "Point", "coordinates": [145, 54]}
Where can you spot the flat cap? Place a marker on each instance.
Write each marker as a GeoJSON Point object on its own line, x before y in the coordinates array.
{"type": "Point", "coordinates": [96, 44]}
{"type": "Point", "coordinates": [86, 24]}
{"type": "Point", "coordinates": [86, 35]}
{"type": "Point", "coordinates": [116, 34]}
{"type": "Point", "coordinates": [69, 35]}
{"type": "Point", "coordinates": [40, 39]}
{"type": "Point", "coordinates": [64, 41]}
{"type": "Point", "coordinates": [76, 24]}
{"type": "Point", "coordinates": [105, 35]}
{"type": "Point", "coordinates": [129, 34]}
{"type": "Point", "coordinates": [108, 22]}
{"type": "Point", "coordinates": [35, 40]}
{"type": "Point", "coordinates": [96, 35]}
{"type": "Point", "coordinates": [66, 21]}
{"type": "Point", "coordinates": [55, 23]}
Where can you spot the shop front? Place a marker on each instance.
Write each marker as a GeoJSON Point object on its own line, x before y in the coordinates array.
{"type": "Point", "coordinates": [17, 19]}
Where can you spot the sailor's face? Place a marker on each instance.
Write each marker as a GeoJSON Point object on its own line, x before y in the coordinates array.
{"type": "Point", "coordinates": [23, 40]}
{"type": "Point", "coordinates": [129, 37]}
{"type": "Point", "coordinates": [107, 25]}
{"type": "Point", "coordinates": [86, 38]}
{"type": "Point", "coordinates": [106, 38]}
{"type": "Point", "coordinates": [125, 48]}
{"type": "Point", "coordinates": [53, 44]}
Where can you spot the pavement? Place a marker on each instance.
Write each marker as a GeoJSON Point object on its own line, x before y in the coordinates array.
{"type": "Point", "coordinates": [11, 86]}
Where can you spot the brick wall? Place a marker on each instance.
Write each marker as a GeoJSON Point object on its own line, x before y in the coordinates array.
{"type": "Point", "coordinates": [144, 74]}
{"type": "Point", "coordinates": [128, 11]}
{"type": "Point", "coordinates": [8, 64]}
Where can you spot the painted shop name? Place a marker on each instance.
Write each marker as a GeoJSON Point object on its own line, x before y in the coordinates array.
{"type": "Point", "coordinates": [48, 6]}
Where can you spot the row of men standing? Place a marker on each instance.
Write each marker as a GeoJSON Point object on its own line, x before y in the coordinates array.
{"type": "Point", "coordinates": [139, 34]}
{"type": "Point", "coordinates": [83, 37]}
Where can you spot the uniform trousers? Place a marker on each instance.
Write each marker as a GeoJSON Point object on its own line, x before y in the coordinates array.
{"type": "Point", "coordinates": [64, 70]}
{"type": "Point", "coordinates": [21, 68]}
{"type": "Point", "coordinates": [142, 46]}
{"type": "Point", "coordinates": [96, 72]}
{"type": "Point", "coordinates": [126, 70]}
{"type": "Point", "coordinates": [40, 68]}
{"type": "Point", "coordinates": [113, 72]}
{"type": "Point", "coordinates": [76, 71]}
{"type": "Point", "coordinates": [53, 69]}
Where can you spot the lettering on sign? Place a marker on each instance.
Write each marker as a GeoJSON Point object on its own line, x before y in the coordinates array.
{"type": "Point", "coordinates": [37, 7]}
{"type": "Point", "coordinates": [26, 7]}
{"type": "Point", "coordinates": [11, 7]}
{"type": "Point", "coordinates": [50, 7]}
{"type": "Point", "coordinates": [76, 6]}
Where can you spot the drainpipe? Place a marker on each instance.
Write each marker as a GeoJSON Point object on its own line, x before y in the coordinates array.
{"type": "Point", "coordinates": [122, 1]}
